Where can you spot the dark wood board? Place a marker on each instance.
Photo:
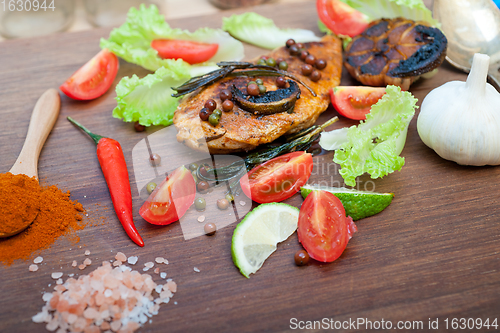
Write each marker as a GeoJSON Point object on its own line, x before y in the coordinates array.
{"type": "Point", "coordinates": [433, 253]}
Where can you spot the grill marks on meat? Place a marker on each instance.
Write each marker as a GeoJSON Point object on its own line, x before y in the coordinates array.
{"type": "Point", "coordinates": [240, 130]}
{"type": "Point", "coordinates": [395, 51]}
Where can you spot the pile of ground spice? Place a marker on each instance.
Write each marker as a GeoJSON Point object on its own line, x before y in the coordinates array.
{"type": "Point", "coordinates": [57, 216]}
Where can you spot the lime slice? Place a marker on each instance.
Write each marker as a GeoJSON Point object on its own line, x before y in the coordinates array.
{"type": "Point", "coordinates": [357, 204]}
{"type": "Point", "coordinates": [257, 235]}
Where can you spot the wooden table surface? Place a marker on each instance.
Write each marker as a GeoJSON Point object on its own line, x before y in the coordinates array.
{"type": "Point", "coordinates": [433, 253]}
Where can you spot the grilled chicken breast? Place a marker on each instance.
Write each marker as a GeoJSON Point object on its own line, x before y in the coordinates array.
{"type": "Point", "coordinates": [240, 130]}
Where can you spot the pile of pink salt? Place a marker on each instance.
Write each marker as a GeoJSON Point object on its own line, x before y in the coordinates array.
{"type": "Point", "coordinates": [107, 299]}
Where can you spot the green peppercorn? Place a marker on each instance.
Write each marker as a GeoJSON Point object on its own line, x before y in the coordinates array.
{"type": "Point", "coordinates": [283, 65]}
{"type": "Point", "coordinates": [262, 89]}
{"type": "Point", "coordinates": [200, 204]}
{"type": "Point", "coordinates": [251, 82]}
{"type": "Point", "coordinates": [271, 62]}
{"type": "Point", "coordinates": [195, 177]}
{"type": "Point", "coordinates": [213, 119]}
{"type": "Point", "coordinates": [217, 112]}
{"type": "Point", "coordinates": [193, 166]}
{"type": "Point", "coordinates": [261, 62]}
{"type": "Point", "coordinates": [259, 81]}
{"type": "Point", "coordinates": [229, 197]}
{"type": "Point", "coordinates": [150, 187]}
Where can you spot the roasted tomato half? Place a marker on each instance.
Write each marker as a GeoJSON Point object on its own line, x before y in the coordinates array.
{"type": "Point", "coordinates": [94, 78]}
{"type": "Point", "coordinates": [171, 199]}
{"type": "Point", "coordinates": [323, 228]}
{"type": "Point", "coordinates": [189, 51]}
{"type": "Point", "coordinates": [278, 179]}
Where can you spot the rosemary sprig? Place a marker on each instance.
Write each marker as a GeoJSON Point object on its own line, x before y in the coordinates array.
{"type": "Point", "coordinates": [233, 68]}
{"type": "Point", "coordinates": [297, 142]}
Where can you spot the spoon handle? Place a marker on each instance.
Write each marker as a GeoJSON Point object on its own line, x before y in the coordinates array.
{"type": "Point", "coordinates": [42, 120]}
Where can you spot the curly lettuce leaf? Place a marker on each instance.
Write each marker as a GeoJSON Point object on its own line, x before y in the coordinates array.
{"type": "Point", "coordinates": [374, 145]}
{"type": "Point", "coordinates": [148, 100]}
{"type": "Point", "coordinates": [132, 40]}
{"type": "Point", "coordinates": [261, 31]}
{"type": "Point", "coordinates": [410, 9]}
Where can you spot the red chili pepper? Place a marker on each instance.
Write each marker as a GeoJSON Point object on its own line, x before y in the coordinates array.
{"type": "Point", "coordinates": [114, 168]}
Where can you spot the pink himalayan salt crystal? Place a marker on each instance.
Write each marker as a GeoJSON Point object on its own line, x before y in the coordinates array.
{"type": "Point", "coordinates": [79, 305]}
{"type": "Point", "coordinates": [159, 260]}
{"type": "Point", "coordinates": [115, 325]}
{"type": "Point", "coordinates": [132, 260]}
{"type": "Point", "coordinates": [33, 268]}
{"type": "Point", "coordinates": [90, 313]}
{"type": "Point", "coordinates": [56, 275]}
{"type": "Point", "coordinates": [87, 252]}
{"type": "Point", "coordinates": [117, 263]}
{"type": "Point", "coordinates": [92, 329]}
{"type": "Point", "coordinates": [172, 286]}
{"type": "Point", "coordinates": [157, 270]}
{"type": "Point", "coordinates": [149, 264]}
{"type": "Point", "coordinates": [74, 263]}
{"type": "Point", "coordinates": [121, 257]}
{"type": "Point", "coordinates": [105, 326]}
{"type": "Point", "coordinates": [87, 262]}
{"type": "Point", "coordinates": [81, 267]}
{"type": "Point", "coordinates": [38, 260]}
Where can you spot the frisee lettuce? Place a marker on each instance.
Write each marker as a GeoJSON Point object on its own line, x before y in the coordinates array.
{"type": "Point", "coordinates": [375, 144]}
{"type": "Point", "coordinates": [261, 31]}
{"type": "Point", "coordinates": [132, 40]}
{"type": "Point", "coordinates": [410, 9]}
{"type": "Point", "coordinates": [148, 100]}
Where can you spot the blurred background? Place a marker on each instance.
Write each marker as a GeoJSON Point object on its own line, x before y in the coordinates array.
{"type": "Point", "coordinates": [29, 18]}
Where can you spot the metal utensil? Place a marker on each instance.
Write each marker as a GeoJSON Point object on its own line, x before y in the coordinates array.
{"type": "Point", "coordinates": [42, 120]}
{"type": "Point", "coordinates": [471, 26]}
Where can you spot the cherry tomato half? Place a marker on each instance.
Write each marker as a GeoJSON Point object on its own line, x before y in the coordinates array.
{"type": "Point", "coordinates": [323, 228]}
{"type": "Point", "coordinates": [355, 102]}
{"type": "Point", "coordinates": [171, 199]}
{"type": "Point", "coordinates": [341, 18]}
{"type": "Point", "coordinates": [94, 78]}
{"type": "Point", "coordinates": [278, 179]}
{"type": "Point", "coordinates": [189, 51]}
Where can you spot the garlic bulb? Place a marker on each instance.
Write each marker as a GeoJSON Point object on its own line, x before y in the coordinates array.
{"type": "Point", "coordinates": [461, 120]}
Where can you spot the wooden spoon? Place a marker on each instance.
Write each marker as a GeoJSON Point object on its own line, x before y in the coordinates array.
{"type": "Point", "coordinates": [42, 121]}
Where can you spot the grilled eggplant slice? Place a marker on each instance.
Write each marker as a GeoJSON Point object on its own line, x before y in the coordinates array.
{"type": "Point", "coordinates": [274, 101]}
{"type": "Point", "coordinates": [395, 51]}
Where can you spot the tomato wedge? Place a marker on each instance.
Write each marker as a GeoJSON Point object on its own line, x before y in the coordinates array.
{"type": "Point", "coordinates": [323, 228]}
{"type": "Point", "coordinates": [278, 179]}
{"type": "Point", "coordinates": [341, 18]}
{"type": "Point", "coordinates": [355, 102]}
{"type": "Point", "coordinates": [171, 199]}
{"type": "Point", "coordinates": [94, 78]}
{"type": "Point", "coordinates": [189, 51]}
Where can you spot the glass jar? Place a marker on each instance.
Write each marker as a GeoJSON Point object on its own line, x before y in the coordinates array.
{"type": "Point", "coordinates": [228, 4]}
{"type": "Point", "coordinates": [105, 13]}
{"type": "Point", "coordinates": [29, 18]}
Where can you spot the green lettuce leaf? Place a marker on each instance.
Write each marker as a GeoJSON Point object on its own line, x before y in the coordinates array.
{"type": "Point", "coordinates": [132, 40]}
{"type": "Point", "coordinates": [410, 9]}
{"type": "Point", "coordinates": [148, 100]}
{"type": "Point", "coordinates": [258, 30]}
{"type": "Point", "coordinates": [375, 144]}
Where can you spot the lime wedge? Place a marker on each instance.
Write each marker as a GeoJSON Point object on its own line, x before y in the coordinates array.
{"type": "Point", "coordinates": [257, 235]}
{"type": "Point", "coordinates": [357, 204]}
